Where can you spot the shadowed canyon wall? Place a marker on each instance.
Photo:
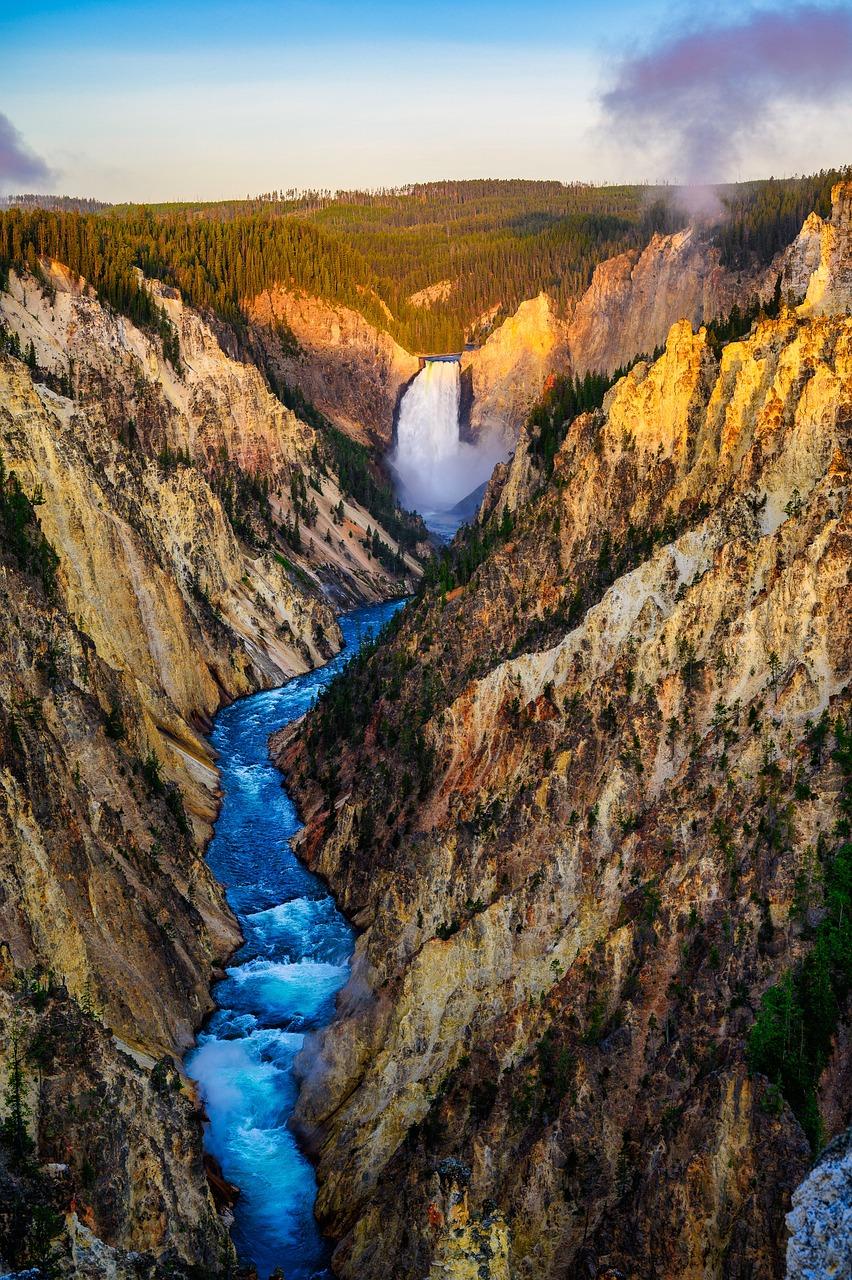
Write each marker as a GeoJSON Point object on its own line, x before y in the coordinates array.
{"type": "Point", "coordinates": [353, 372]}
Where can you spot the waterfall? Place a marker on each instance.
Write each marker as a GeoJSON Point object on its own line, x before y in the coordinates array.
{"type": "Point", "coordinates": [434, 467]}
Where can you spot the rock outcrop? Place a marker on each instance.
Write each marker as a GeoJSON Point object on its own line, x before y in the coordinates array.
{"type": "Point", "coordinates": [632, 302]}
{"type": "Point", "coordinates": [583, 818]}
{"type": "Point", "coordinates": [635, 298]}
{"type": "Point", "coordinates": [115, 1185]}
{"type": "Point", "coordinates": [820, 1222]}
{"type": "Point", "coordinates": [509, 370]}
{"type": "Point", "coordinates": [353, 372]}
{"type": "Point", "coordinates": [830, 285]}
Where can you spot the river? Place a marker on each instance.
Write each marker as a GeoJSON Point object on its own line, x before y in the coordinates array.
{"type": "Point", "coordinates": [280, 985]}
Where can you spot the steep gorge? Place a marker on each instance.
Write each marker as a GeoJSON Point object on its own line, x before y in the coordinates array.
{"type": "Point", "coordinates": [583, 801]}
{"type": "Point", "coordinates": [593, 793]}
{"type": "Point", "coordinates": [355, 372]}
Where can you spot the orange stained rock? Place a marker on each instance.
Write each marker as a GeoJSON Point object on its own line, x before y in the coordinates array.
{"type": "Point", "coordinates": [435, 1216]}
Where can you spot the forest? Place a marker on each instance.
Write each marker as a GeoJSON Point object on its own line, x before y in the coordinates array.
{"type": "Point", "coordinates": [762, 218]}
{"type": "Point", "coordinates": [490, 244]}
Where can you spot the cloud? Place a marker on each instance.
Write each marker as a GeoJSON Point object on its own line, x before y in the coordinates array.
{"type": "Point", "coordinates": [701, 94]}
{"type": "Point", "coordinates": [18, 163]}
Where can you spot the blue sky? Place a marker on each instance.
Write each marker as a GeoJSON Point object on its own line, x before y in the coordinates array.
{"type": "Point", "coordinates": [195, 100]}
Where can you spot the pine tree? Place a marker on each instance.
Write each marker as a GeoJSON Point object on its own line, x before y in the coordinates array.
{"type": "Point", "coordinates": [14, 1128]}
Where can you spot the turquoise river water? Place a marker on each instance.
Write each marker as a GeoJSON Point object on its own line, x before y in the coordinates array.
{"type": "Point", "coordinates": [280, 985]}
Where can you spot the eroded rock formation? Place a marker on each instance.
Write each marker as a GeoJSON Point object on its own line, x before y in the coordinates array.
{"type": "Point", "coordinates": [820, 1221]}
{"type": "Point", "coordinates": [215, 412]}
{"type": "Point", "coordinates": [353, 372]}
{"type": "Point", "coordinates": [632, 302]}
{"type": "Point", "coordinates": [509, 370]}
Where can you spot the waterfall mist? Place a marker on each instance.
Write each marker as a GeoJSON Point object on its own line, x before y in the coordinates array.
{"type": "Point", "coordinates": [435, 469]}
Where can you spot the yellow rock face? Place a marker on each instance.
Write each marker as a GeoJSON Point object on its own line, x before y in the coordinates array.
{"type": "Point", "coordinates": [631, 304]}
{"type": "Point", "coordinates": [508, 371]}
{"type": "Point", "coordinates": [830, 286]}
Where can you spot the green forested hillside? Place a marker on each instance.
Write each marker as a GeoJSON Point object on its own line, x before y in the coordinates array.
{"type": "Point", "coordinates": [495, 243]}
{"type": "Point", "coordinates": [763, 217]}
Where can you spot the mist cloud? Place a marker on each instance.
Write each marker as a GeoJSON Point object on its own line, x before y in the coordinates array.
{"type": "Point", "coordinates": [698, 95]}
{"type": "Point", "coordinates": [18, 163]}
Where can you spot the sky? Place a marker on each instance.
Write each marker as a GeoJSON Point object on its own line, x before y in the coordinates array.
{"type": "Point", "coordinates": [202, 99]}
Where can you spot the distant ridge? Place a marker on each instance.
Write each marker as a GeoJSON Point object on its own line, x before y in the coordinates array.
{"type": "Point", "coordinates": [68, 204]}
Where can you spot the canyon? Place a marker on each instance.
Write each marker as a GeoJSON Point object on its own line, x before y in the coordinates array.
{"type": "Point", "coordinates": [356, 374]}
{"type": "Point", "coordinates": [582, 801]}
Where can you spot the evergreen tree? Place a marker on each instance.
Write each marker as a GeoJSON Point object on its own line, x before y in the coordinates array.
{"type": "Point", "coordinates": [14, 1128]}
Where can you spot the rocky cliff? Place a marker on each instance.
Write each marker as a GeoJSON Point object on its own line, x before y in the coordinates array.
{"type": "Point", "coordinates": [217, 413]}
{"type": "Point", "coordinates": [629, 307]}
{"type": "Point", "coordinates": [820, 1221]}
{"type": "Point", "coordinates": [627, 310]}
{"type": "Point", "coordinates": [111, 924]}
{"type": "Point", "coordinates": [508, 371]}
{"type": "Point", "coordinates": [635, 298]}
{"type": "Point", "coordinates": [353, 372]}
{"type": "Point", "coordinates": [829, 287]}
{"type": "Point", "coordinates": [591, 811]}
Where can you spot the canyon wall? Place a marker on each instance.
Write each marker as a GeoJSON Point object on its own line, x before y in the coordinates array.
{"type": "Point", "coordinates": [353, 372]}
{"type": "Point", "coordinates": [508, 371]}
{"type": "Point", "coordinates": [111, 925]}
{"type": "Point", "coordinates": [591, 798]}
{"type": "Point", "coordinates": [145, 581]}
{"type": "Point", "coordinates": [631, 303]}
{"type": "Point", "coordinates": [214, 411]}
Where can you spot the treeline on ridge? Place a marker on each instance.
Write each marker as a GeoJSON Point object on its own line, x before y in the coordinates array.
{"type": "Point", "coordinates": [493, 243]}
{"type": "Point", "coordinates": [762, 218]}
